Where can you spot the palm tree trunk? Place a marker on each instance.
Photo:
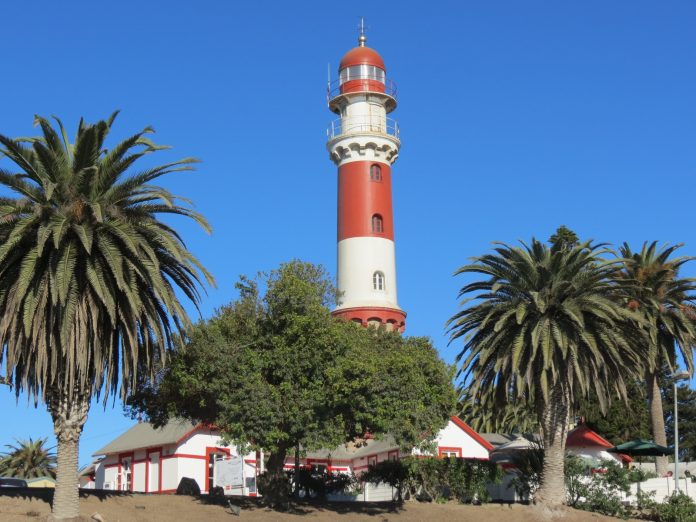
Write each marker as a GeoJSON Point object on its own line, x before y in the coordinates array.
{"type": "Point", "coordinates": [554, 424]}
{"type": "Point", "coordinates": [69, 413]}
{"type": "Point", "coordinates": [657, 420]}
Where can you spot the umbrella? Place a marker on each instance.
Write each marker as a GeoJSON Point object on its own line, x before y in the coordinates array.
{"type": "Point", "coordinates": [641, 448]}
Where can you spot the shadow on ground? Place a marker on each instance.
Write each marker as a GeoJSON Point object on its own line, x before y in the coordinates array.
{"type": "Point", "coordinates": [303, 507]}
{"type": "Point", "coordinates": [46, 494]}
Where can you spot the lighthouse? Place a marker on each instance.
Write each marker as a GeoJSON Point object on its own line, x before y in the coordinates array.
{"type": "Point", "coordinates": [364, 142]}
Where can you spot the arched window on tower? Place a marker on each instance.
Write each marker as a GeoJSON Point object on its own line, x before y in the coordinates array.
{"type": "Point", "coordinates": [378, 281]}
{"type": "Point", "coordinates": [375, 173]}
{"type": "Point", "coordinates": [377, 224]}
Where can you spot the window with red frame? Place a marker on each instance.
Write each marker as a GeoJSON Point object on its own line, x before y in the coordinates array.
{"type": "Point", "coordinates": [447, 453]}
{"type": "Point", "coordinates": [375, 173]}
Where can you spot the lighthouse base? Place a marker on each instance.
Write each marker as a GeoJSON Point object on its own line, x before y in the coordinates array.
{"type": "Point", "coordinates": [391, 318]}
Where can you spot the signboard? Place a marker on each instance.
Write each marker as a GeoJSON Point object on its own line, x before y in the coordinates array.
{"type": "Point", "coordinates": [229, 473]}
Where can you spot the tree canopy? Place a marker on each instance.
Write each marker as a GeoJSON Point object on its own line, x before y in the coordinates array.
{"type": "Point", "coordinates": [544, 326]}
{"type": "Point", "coordinates": [89, 273]}
{"type": "Point", "coordinates": [28, 459]}
{"type": "Point", "coordinates": [650, 283]}
{"type": "Point", "coordinates": [275, 369]}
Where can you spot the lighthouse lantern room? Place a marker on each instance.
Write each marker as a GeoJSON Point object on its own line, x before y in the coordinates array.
{"type": "Point", "coordinates": [364, 143]}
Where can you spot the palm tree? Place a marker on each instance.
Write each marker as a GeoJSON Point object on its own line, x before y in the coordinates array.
{"type": "Point", "coordinates": [544, 325]}
{"type": "Point", "coordinates": [514, 416]}
{"type": "Point", "coordinates": [28, 459]}
{"type": "Point", "coordinates": [651, 285]}
{"type": "Point", "coordinates": [88, 275]}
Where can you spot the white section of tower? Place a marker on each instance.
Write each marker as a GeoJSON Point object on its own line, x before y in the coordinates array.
{"type": "Point", "coordinates": [359, 259]}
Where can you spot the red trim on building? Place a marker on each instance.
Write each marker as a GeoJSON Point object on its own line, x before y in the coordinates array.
{"type": "Point", "coordinates": [182, 456]}
{"type": "Point", "coordinates": [147, 471]}
{"type": "Point", "coordinates": [194, 430]}
{"type": "Point", "coordinates": [121, 457]}
{"type": "Point", "coordinates": [442, 449]}
{"type": "Point", "coordinates": [159, 475]}
{"type": "Point", "coordinates": [470, 431]}
{"type": "Point", "coordinates": [211, 450]}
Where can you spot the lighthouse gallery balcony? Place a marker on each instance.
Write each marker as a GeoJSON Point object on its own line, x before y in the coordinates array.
{"type": "Point", "coordinates": [369, 82]}
{"type": "Point", "coordinates": [362, 125]}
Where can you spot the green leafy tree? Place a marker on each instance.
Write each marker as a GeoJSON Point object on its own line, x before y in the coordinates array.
{"type": "Point", "coordinates": [88, 275]}
{"type": "Point", "coordinates": [276, 370]}
{"type": "Point", "coordinates": [651, 285]}
{"type": "Point", "coordinates": [544, 324]}
{"type": "Point", "coordinates": [28, 459]}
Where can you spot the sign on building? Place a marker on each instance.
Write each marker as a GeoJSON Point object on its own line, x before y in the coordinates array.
{"type": "Point", "coordinates": [229, 473]}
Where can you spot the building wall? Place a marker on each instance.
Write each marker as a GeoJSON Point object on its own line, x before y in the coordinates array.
{"type": "Point", "coordinates": [593, 452]}
{"type": "Point", "coordinates": [452, 437]}
{"type": "Point", "coordinates": [159, 470]}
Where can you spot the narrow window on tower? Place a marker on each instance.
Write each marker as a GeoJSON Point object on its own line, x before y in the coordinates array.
{"type": "Point", "coordinates": [377, 224]}
{"type": "Point", "coordinates": [378, 281]}
{"type": "Point", "coordinates": [375, 173]}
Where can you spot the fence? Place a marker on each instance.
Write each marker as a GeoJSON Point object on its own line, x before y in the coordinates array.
{"type": "Point", "coordinates": [660, 487]}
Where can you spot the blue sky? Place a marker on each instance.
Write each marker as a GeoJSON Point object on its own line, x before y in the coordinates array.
{"type": "Point", "coordinates": [515, 116]}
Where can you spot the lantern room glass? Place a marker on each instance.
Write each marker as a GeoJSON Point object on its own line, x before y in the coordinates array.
{"type": "Point", "coordinates": [362, 72]}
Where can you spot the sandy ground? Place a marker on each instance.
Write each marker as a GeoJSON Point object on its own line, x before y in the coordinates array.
{"type": "Point", "coordinates": [159, 508]}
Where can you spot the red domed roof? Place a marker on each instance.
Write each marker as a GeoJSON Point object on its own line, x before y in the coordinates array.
{"type": "Point", "coordinates": [361, 55]}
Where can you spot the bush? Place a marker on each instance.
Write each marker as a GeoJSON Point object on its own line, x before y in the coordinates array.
{"type": "Point", "coordinates": [317, 482]}
{"type": "Point", "coordinates": [275, 490]}
{"type": "Point", "coordinates": [436, 480]}
{"type": "Point", "coordinates": [598, 489]}
{"type": "Point", "coordinates": [528, 465]}
{"type": "Point", "coordinates": [314, 482]}
{"type": "Point", "coordinates": [678, 508]}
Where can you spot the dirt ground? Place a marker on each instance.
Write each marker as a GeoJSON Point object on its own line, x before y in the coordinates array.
{"type": "Point", "coordinates": [160, 508]}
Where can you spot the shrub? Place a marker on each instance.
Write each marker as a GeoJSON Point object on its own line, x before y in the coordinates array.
{"type": "Point", "coordinates": [436, 480]}
{"type": "Point", "coordinates": [599, 489]}
{"type": "Point", "coordinates": [317, 482]}
{"type": "Point", "coordinates": [528, 466]}
{"type": "Point", "coordinates": [678, 508]}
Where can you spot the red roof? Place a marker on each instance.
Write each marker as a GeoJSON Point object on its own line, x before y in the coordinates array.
{"type": "Point", "coordinates": [361, 55]}
{"type": "Point", "coordinates": [582, 436]}
{"type": "Point", "coordinates": [470, 431]}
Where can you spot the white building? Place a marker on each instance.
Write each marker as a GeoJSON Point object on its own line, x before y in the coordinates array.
{"type": "Point", "coordinates": [456, 439]}
{"type": "Point", "coordinates": [149, 460]}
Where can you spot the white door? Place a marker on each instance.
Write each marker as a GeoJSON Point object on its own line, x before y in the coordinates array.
{"type": "Point", "coordinates": [153, 479]}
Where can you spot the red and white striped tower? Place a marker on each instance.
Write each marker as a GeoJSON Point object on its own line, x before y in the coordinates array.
{"type": "Point", "coordinates": [363, 142]}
